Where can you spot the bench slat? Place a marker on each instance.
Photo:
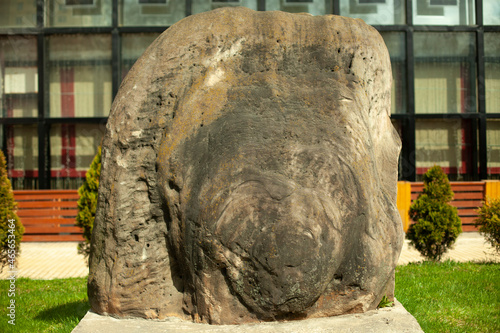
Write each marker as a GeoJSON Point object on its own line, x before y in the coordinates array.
{"type": "Point", "coordinates": [47, 212]}
{"type": "Point", "coordinates": [53, 238]}
{"type": "Point", "coordinates": [467, 211]}
{"type": "Point", "coordinates": [31, 197]}
{"type": "Point", "coordinates": [42, 221]}
{"type": "Point", "coordinates": [45, 192]}
{"type": "Point", "coordinates": [53, 230]}
{"type": "Point", "coordinates": [466, 204]}
{"type": "Point", "coordinates": [468, 228]}
{"type": "Point", "coordinates": [46, 204]}
{"type": "Point", "coordinates": [468, 195]}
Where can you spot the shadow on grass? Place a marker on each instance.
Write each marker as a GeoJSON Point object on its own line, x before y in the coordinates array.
{"type": "Point", "coordinates": [72, 311]}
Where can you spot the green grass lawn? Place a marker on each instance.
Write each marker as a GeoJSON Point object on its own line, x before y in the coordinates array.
{"type": "Point", "coordinates": [443, 297]}
{"type": "Point", "coordinates": [450, 296]}
{"type": "Point", "coordinates": [44, 305]}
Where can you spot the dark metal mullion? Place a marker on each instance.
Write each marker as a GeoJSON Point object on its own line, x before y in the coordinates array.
{"type": "Point", "coordinates": [336, 7]}
{"type": "Point", "coordinates": [409, 149]}
{"type": "Point", "coordinates": [479, 12]}
{"type": "Point", "coordinates": [77, 30]}
{"type": "Point", "coordinates": [16, 121]}
{"type": "Point", "coordinates": [445, 28]}
{"type": "Point", "coordinates": [76, 120]}
{"type": "Point", "coordinates": [116, 62]}
{"type": "Point", "coordinates": [144, 29]}
{"type": "Point", "coordinates": [481, 91]}
{"type": "Point", "coordinates": [473, 143]}
{"type": "Point", "coordinates": [114, 14]}
{"type": "Point", "coordinates": [471, 103]}
{"type": "Point", "coordinates": [446, 116]}
{"type": "Point", "coordinates": [408, 153]}
{"type": "Point", "coordinates": [43, 128]}
{"type": "Point", "coordinates": [43, 155]}
{"type": "Point", "coordinates": [384, 28]}
{"type": "Point", "coordinates": [189, 7]}
{"type": "Point", "coordinates": [483, 153]}
{"type": "Point", "coordinates": [39, 13]}
{"type": "Point", "coordinates": [491, 28]}
{"type": "Point", "coordinates": [261, 5]}
{"type": "Point", "coordinates": [409, 13]}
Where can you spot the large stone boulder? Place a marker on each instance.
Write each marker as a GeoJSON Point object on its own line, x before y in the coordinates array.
{"type": "Point", "coordinates": [249, 173]}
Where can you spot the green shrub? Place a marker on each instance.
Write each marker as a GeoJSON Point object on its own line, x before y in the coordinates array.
{"type": "Point", "coordinates": [437, 224]}
{"type": "Point", "coordinates": [88, 202]}
{"type": "Point", "coordinates": [11, 229]}
{"type": "Point", "coordinates": [488, 222]}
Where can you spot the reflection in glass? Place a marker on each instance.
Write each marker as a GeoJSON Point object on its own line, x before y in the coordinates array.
{"type": "Point", "coordinates": [133, 46]}
{"type": "Point", "coordinates": [314, 7]}
{"type": "Point", "coordinates": [445, 77]}
{"type": "Point", "coordinates": [493, 148]}
{"type": "Point", "coordinates": [444, 12]}
{"type": "Point", "coordinates": [491, 12]}
{"type": "Point", "coordinates": [151, 12]}
{"type": "Point", "coordinates": [72, 149]}
{"type": "Point", "coordinates": [492, 71]}
{"type": "Point", "coordinates": [446, 143]}
{"type": "Point", "coordinates": [18, 76]}
{"type": "Point", "coordinates": [200, 6]}
{"type": "Point", "coordinates": [22, 156]}
{"type": "Point", "coordinates": [382, 12]}
{"type": "Point", "coordinates": [18, 13]}
{"type": "Point", "coordinates": [78, 13]}
{"type": "Point", "coordinates": [79, 75]}
{"type": "Point", "coordinates": [395, 42]}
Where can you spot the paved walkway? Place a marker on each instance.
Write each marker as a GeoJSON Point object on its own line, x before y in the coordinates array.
{"type": "Point", "coordinates": [54, 260]}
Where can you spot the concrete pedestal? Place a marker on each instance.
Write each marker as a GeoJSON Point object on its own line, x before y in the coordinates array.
{"type": "Point", "coordinates": [394, 319]}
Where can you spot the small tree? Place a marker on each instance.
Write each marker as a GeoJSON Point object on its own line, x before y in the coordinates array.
{"type": "Point", "coordinates": [437, 223]}
{"type": "Point", "coordinates": [87, 203]}
{"type": "Point", "coordinates": [488, 222]}
{"type": "Point", "coordinates": [11, 229]}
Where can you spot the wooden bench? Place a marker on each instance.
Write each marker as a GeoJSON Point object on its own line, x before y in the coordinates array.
{"type": "Point", "coordinates": [48, 215]}
{"type": "Point", "coordinates": [468, 198]}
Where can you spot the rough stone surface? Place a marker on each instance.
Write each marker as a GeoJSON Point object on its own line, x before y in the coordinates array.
{"type": "Point", "coordinates": [249, 173]}
{"type": "Point", "coordinates": [395, 319]}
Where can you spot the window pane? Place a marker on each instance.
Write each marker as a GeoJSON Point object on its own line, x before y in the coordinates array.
{"type": "Point", "coordinates": [315, 7]}
{"type": "Point", "coordinates": [446, 143]}
{"type": "Point", "coordinates": [378, 12]}
{"type": "Point", "coordinates": [492, 71]}
{"type": "Point", "coordinates": [445, 77]}
{"type": "Point", "coordinates": [22, 156]}
{"type": "Point", "coordinates": [78, 13]}
{"type": "Point", "coordinates": [18, 76]}
{"type": "Point", "coordinates": [151, 12]}
{"type": "Point", "coordinates": [133, 46]}
{"type": "Point", "coordinates": [79, 75]}
{"type": "Point", "coordinates": [491, 12]}
{"type": "Point", "coordinates": [72, 149]}
{"type": "Point", "coordinates": [444, 12]}
{"type": "Point", "coordinates": [395, 42]}
{"type": "Point", "coordinates": [493, 148]}
{"type": "Point", "coordinates": [18, 14]}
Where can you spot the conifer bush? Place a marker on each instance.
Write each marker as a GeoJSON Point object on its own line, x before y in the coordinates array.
{"type": "Point", "coordinates": [11, 229]}
{"type": "Point", "coordinates": [88, 202]}
{"type": "Point", "coordinates": [437, 224]}
{"type": "Point", "coordinates": [488, 222]}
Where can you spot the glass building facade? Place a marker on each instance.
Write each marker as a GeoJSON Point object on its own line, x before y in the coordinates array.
{"type": "Point", "coordinates": [62, 61]}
